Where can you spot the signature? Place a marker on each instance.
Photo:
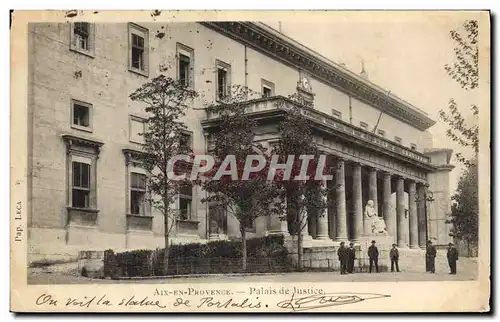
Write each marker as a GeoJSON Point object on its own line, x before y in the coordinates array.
{"type": "Point", "coordinates": [324, 300]}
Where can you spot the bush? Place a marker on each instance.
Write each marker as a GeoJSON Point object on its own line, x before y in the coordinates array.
{"type": "Point", "coordinates": [266, 254]}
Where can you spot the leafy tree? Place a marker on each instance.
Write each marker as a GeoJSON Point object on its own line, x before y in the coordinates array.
{"type": "Point", "coordinates": [245, 199]}
{"type": "Point", "coordinates": [464, 209]}
{"type": "Point", "coordinates": [465, 71]}
{"type": "Point", "coordinates": [308, 196]}
{"type": "Point", "coordinates": [166, 101]}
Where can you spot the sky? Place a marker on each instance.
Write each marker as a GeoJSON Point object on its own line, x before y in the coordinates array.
{"type": "Point", "coordinates": [405, 54]}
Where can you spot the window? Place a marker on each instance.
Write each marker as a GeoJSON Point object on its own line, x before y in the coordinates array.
{"type": "Point", "coordinates": [363, 125]}
{"type": "Point", "coordinates": [186, 140]}
{"type": "Point", "coordinates": [81, 185]}
{"type": "Point", "coordinates": [81, 30]}
{"type": "Point", "coordinates": [137, 52]}
{"type": "Point", "coordinates": [218, 219]}
{"type": "Point", "coordinates": [413, 146]}
{"type": "Point", "coordinates": [137, 193]}
{"type": "Point", "coordinates": [82, 38]}
{"type": "Point", "coordinates": [185, 65]}
{"type": "Point", "coordinates": [381, 132]}
{"type": "Point", "coordinates": [223, 80]}
{"type": "Point", "coordinates": [81, 114]}
{"type": "Point", "coordinates": [137, 127]}
{"type": "Point", "coordinates": [138, 49]}
{"type": "Point", "coordinates": [185, 201]}
{"type": "Point", "coordinates": [267, 88]}
{"type": "Point", "coordinates": [398, 140]}
{"type": "Point", "coordinates": [337, 114]}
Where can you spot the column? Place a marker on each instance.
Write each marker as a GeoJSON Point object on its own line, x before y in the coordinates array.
{"type": "Point", "coordinates": [400, 212]}
{"type": "Point", "coordinates": [372, 186]}
{"type": "Point", "coordinates": [341, 227]}
{"type": "Point", "coordinates": [322, 218]}
{"type": "Point", "coordinates": [357, 197]}
{"type": "Point", "coordinates": [303, 223]}
{"type": "Point", "coordinates": [278, 225]}
{"type": "Point", "coordinates": [390, 219]}
{"type": "Point", "coordinates": [422, 220]}
{"type": "Point", "coordinates": [412, 213]}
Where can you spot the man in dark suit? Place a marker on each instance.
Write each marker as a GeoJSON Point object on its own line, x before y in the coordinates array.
{"type": "Point", "coordinates": [343, 254]}
{"type": "Point", "coordinates": [430, 257]}
{"type": "Point", "coordinates": [394, 255]}
{"type": "Point", "coordinates": [351, 256]}
{"type": "Point", "coordinates": [452, 256]}
{"type": "Point", "coordinates": [373, 255]}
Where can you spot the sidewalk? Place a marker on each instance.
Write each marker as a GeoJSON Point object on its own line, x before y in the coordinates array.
{"type": "Point", "coordinates": [465, 272]}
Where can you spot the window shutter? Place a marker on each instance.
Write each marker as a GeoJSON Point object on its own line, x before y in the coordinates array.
{"type": "Point", "coordinates": [91, 42]}
{"type": "Point", "coordinates": [146, 52]}
{"type": "Point", "coordinates": [72, 35]}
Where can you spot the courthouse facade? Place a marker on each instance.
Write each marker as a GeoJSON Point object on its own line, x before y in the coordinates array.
{"type": "Point", "coordinates": [86, 187]}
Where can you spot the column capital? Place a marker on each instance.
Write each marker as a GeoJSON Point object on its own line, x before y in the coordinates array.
{"type": "Point", "coordinates": [356, 164]}
{"type": "Point", "coordinates": [386, 174]}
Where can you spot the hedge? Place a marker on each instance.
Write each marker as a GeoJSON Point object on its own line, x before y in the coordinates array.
{"type": "Point", "coordinates": [266, 254]}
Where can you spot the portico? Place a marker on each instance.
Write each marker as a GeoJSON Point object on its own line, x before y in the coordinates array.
{"type": "Point", "coordinates": [366, 167]}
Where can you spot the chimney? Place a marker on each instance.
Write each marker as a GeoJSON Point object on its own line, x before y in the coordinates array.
{"type": "Point", "coordinates": [280, 28]}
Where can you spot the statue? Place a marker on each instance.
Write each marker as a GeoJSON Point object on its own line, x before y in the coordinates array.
{"type": "Point", "coordinates": [376, 223]}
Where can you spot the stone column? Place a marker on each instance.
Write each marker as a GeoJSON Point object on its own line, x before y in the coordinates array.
{"type": "Point", "coordinates": [400, 212]}
{"type": "Point", "coordinates": [341, 227]}
{"type": "Point", "coordinates": [304, 223]}
{"type": "Point", "coordinates": [412, 213]}
{"type": "Point", "coordinates": [390, 219]}
{"type": "Point", "coordinates": [372, 186]}
{"type": "Point", "coordinates": [422, 220]}
{"type": "Point", "coordinates": [277, 225]}
{"type": "Point", "coordinates": [322, 219]}
{"type": "Point", "coordinates": [357, 197]}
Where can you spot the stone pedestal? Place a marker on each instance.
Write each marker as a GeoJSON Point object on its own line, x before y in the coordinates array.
{"type": "Point", "coordinates": [384, 245]}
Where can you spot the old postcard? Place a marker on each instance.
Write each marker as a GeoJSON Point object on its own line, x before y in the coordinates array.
{"type": "Point", "coordinates": [295, 161]}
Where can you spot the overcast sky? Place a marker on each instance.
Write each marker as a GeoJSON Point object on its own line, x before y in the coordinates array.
{"type": "Point", "coordinates": [404, 54]}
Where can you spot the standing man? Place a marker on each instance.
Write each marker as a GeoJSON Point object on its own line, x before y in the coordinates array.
{"type": "Point", "coordinates": [351, 256]}
{"type": "Point", "coordinates": [430, 257]}
{"type": "Point", "coordinates": [342, 254]}
{"type": "Point", "coordinates": [394, 255]}
{"type": "Point", "coordinates": [373, 255]}
{"type": "Point", "coordinates": [452, 255]}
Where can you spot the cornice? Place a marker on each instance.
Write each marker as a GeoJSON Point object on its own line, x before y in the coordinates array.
{"type": "Point", "coordinates": [72, 140]}
{"type": "Point", "coordinates": [281, 49]}
{"type": "Point", "coordinates": [278, 105]}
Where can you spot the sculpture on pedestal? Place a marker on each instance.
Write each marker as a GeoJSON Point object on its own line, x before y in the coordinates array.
{"type": "Point", "coordinates": [376, 223]}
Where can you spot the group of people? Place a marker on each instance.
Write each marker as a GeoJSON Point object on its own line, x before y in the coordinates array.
{"type": "Point", "coordinates": [347, 256]}
{"type": "Point", "coordinates": [430, 258]}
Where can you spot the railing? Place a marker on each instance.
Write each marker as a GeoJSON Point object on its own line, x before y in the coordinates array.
{"type": "Point", "coordinates": [282, 103]}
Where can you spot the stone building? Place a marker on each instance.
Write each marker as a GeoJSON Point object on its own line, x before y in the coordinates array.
{"type": "Point", "coordinates": [85, 186]}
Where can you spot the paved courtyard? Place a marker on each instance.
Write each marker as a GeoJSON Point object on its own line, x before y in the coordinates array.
{"type": "Point", "coordinates": [466, 272]}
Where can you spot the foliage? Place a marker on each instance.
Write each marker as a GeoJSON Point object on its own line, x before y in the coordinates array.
{"type": "Point", "coordinates": [196, 258]}
{"type": "Point", "coordinates": [464, 208]}
{"type": "Point", "coordinates": [308, 196]}
{"type": "Point", "coordinates": [166, 101]}
{"type": "Point", "coordinates": [465, 71]}
{"type": "Point", "coordinates": [245, 199]}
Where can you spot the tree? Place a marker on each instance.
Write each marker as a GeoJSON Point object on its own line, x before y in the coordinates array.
{"type": "Point", "coordinates": [166, 101]}
{"type": "Point", "coordinates": [234, 144]}
{"type": "Point", "coordinates": [308, 195]}
{"type": "Point", "coordinates": [465, 71]}
{"type": "Point", "coordinates": [464, 209]}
